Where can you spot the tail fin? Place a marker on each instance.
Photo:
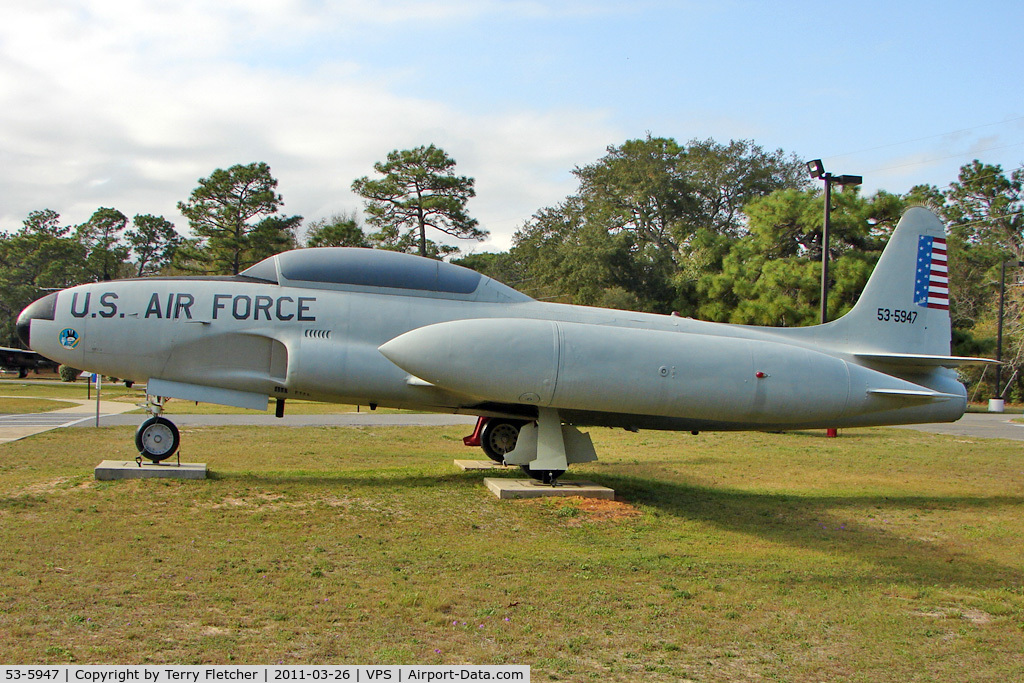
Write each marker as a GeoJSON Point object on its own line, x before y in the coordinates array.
{"type": "Point", "coordinates": [902, 317]}
{"type": "Point", "coordinates": [904, 308]}
{"type": "Point", "coordinates": [900, 327]}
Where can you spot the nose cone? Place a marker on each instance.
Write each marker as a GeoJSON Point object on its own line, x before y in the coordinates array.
{"type": "Point", "coordinates": [42, 309]}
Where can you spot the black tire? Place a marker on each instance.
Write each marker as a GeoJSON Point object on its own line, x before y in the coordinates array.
{"type": "Point", "coordinates": [548, 477]}
{"type": "Point", "coordinates": [499, 437]}
{"type": "Point", "coordinates": [157, 439]}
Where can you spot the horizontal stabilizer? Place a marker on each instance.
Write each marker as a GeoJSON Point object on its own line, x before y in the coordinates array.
{"type": "Point", "coordinates": [913, 394]}
{"type": "Point", "coordinates": [923, 360]}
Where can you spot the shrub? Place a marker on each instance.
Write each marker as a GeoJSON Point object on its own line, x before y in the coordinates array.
{"type": "Point", "coordinates": [68, 373]}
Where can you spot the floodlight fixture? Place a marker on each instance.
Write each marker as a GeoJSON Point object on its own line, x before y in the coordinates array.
{"type": "Point", "coordinates": [817, 171]}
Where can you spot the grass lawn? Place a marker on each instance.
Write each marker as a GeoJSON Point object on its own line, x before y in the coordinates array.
{"type": "Point", "coordinates": [118, 392]}
{"type": "Point", "coordinates": [882, 555]}
{"type": "Point", "coordinates": [55, 389]}
{"type": "Point", "coordinates": [15, 406]}
{"type": "Point", "coordinates": [983, 408]}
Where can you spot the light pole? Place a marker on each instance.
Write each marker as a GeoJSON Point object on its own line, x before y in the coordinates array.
{"type": "Point", "coordinates": [999, 333]}
{"type": "Point", "coordinates": [817, 170]}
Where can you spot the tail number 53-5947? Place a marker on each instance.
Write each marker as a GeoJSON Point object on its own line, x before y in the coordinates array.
{"type": "Point", "coordinates": [897, 316]}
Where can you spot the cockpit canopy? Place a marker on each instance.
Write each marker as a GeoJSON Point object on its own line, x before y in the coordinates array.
{"type": "Point", "coordinates": [345, 268]}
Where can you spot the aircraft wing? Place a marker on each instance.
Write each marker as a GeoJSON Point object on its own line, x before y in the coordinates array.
{"type": "Point", "coordinates": [914, 394]}
{"type": "Point", "coordinates": [924, 360]}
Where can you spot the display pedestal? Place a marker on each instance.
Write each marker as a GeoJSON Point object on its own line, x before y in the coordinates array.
{"type": "Point", "coordinates": [110, 470]}
{"type": "Point", "coordinates": [530, 488]}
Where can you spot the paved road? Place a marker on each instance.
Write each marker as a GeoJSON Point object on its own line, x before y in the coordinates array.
{"type": "Point", "coordinates": [13, 427]}
{"type": "Point", "coordinates": [983, 425]}
{"type": "Point", "coordinates": [41, 420]}
{"type": "Point", "coordinates": [367, 419]}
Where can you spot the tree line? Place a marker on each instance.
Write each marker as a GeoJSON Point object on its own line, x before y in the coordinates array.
{"type": "Point", "coordinates": [722, 232]}
{"type": "Point", "coordinates": [732, 233]}
{"type": "Point", "coordinates": [235, 220]}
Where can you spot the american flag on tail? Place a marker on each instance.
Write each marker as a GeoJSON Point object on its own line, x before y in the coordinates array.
{"type": "Point", "coordinates": [931, 287]}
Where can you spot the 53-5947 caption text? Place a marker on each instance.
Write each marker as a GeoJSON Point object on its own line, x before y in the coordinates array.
{"type": "Point", "coordinates": [262, 674]}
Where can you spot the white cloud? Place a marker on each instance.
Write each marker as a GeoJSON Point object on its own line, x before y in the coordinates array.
{"type": "Point", "coordinates": [127, 105]}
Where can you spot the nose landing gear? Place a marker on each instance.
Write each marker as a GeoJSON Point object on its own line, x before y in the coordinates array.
{"type": "Point", "coordinates": [157, 438]}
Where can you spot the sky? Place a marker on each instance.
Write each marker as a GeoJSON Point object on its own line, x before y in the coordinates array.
{"type": "Point", "coordinates": [128, 103]}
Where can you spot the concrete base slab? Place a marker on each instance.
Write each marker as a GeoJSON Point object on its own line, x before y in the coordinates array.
{"type": "Point", "coordinates": [110, 470]}
{"type": "Point", "coordinates": [529, 488]}
{"type": "Point", "coordinates": [466, 465]}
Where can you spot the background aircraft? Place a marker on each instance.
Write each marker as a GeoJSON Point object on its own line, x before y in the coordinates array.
{"type": "Point", "coordinates": [383, 328]}
{"type": "Point", "coordinates": [23, 361]}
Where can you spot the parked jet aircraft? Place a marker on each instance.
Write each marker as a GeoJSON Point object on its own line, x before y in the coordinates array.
{"type": "Point", "coordinates": [23, 361]}
{"type": "Point", "coordinates": [383, 328]}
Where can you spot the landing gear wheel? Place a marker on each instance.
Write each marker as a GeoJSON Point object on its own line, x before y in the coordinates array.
{"type": "Point", "coordinates": [548, 477]}
{"type": "Point", "coordinates": [499, 437]}
{"type": "Point", "coordinates": [157, 439]}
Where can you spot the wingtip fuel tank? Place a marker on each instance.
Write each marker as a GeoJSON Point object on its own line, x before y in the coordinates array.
{"type": "Point", "coordinates": [735, 383]}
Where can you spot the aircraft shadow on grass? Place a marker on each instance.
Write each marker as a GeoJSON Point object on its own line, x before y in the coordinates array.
{"type": "Point", "coordinates": [820, 523]}
{"type": "Point", "coordinates": [815, 523]}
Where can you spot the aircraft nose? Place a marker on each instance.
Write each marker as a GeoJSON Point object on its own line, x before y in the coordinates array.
{"type": "Point", "coordinates": [41, 309]}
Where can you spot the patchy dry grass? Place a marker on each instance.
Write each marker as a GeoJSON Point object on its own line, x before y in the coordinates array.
{"type": "Point", "coordinates": [881, 555]}
{"type": "Point", "coordinates": [14, 406]}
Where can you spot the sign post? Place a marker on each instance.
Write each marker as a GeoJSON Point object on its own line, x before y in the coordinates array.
{"type": "Point", "coordinates": [99, 383]}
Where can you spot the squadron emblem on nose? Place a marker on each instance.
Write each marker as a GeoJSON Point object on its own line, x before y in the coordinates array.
{"type": "Point", "coordinates": [69, 338]}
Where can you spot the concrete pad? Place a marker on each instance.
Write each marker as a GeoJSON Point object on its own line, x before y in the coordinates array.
{"type": "Point", "coordinates": [465, 465]}
{"type": "Point", "coordinates": [530, 488]}
{"type": "Point", "coordinates": [110, 470]}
